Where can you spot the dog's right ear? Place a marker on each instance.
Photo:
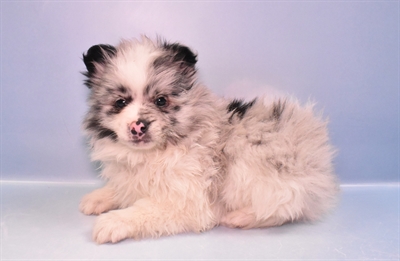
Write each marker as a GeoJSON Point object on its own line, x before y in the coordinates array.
{"type": "Point", "coordinates": [97, 54]}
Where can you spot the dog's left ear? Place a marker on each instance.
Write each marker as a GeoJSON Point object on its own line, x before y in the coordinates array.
{"type": "Point", "coordinates": [97, 54]}
{"type": "Point", "coordinates": [181, 53]}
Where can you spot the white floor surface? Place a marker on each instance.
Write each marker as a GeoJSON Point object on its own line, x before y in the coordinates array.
{"type": "Point", "coordinates": [41, 221]}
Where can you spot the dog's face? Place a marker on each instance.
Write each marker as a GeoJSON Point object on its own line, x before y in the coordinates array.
{"type": "Point", "coordinates": [141, 92]}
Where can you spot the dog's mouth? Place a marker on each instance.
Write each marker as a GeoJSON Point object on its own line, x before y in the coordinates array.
{"type": "Point", "coordinates": [141, 144]}
{"type": "Point", "coordinates": [140, 141]}
{"type": "Point", "coordinates": [144, 140]}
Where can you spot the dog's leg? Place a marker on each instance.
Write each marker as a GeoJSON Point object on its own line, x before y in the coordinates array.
{"type": "Point", "coordinates": [98, 201]}
{"type": "Point", "coordinates": [146, 218]}
{"type": "Point", "coordinates": [245, 218]}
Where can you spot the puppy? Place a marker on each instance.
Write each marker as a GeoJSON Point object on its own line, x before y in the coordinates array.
{"type": "Point", "coordinates": [177, 158]}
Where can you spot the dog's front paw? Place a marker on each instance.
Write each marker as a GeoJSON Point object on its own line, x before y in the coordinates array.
{"type": "Point", "coordinates": [111, 227]}
{"type": "Point", "coordinates": [97, 202]}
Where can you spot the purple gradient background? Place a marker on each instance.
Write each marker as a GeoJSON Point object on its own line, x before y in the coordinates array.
{"type": "Point", "coordinates": [343, 55]}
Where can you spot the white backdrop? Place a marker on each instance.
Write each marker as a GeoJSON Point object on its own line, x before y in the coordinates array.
{"type": "Point", "coordinates": [342, 54]}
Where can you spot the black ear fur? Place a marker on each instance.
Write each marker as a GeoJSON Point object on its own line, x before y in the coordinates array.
{"type": "Point", "coordinates": [181, 53]}
{"type": "Point", "coordinates": [97, 54]}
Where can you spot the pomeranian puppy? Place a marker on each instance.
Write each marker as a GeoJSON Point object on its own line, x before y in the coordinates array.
{"type": "Point", "coordinates": [178, 158]}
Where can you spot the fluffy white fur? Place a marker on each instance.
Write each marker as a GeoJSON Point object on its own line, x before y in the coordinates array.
{"type": "Point", "coordinates": [203, 161]}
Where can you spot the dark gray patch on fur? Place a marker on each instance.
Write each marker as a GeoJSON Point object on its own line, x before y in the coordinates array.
{"type": "Point", "coordinates": [103, 133]}
{"type": "Point", "coordinates": [277, 110]}
{"type": "Point", "coordinates": [239, 108]}
{"type": "Point", "coordinates": [100, 131]}
{"type": "Point", "coordinates": [176, 94]}
{"type": "Point", "coordinates": [162, 61]}
{"type": "Point", "coordinates": [96, 108]}
{"type": "Point", "coordinates": [122, 89]}
{"type": "Point", "coordinates": [174, 121]}
{"type": "Point", "coordinates": [257, 142]}
{"type": "Point", "coordinates": [147, 90]}
{"type": "Point", "coordinates": [278, 165]}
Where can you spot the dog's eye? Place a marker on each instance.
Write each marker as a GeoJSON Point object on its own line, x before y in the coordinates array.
{"type": "Point", "coordinates": [161, 101]}
{"type": "Point", "coordinates": [120, 103]}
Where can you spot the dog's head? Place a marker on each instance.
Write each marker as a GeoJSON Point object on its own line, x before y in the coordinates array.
{"type": "Point", "coordinates": [141, 92]}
